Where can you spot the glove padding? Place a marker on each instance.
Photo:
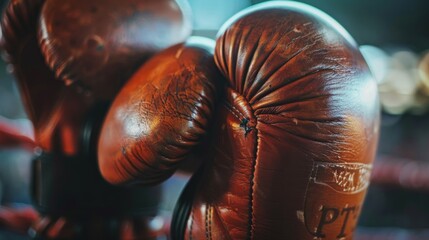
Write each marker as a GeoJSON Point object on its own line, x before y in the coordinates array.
{"type": "Point", "coordinates": [69, 57]}
{"type": "Point", "coordinates": [95, 46]}
{"type": "Point", "coordinates": [160, 114]}
{"type": "Point", "coordinates": [293, 136]}
{"type": "Point", "coordinates": [99, 44]}
{"type": "Point", "coordinates": [307, 107]}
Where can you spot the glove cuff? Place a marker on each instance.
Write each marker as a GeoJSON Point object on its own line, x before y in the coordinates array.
{"type": "Point", "coordinates": [73, 187]}
{"type": "Point", "coordinates": [183, 207]}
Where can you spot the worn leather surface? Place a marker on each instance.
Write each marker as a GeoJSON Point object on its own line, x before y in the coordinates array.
{"type": "Point", "coordinates": [92, 46]}
{"type": "Point", "coordinates": [160, 114]}
{"type": "Point", "coordinates": [292, 130]}
{"type": "Point", "coordinates": [297, 132]}
{"type": "Point", "coordinates": [114, 38]}
{"type": "Point", "coordinates": [69, 56]}
{"type": "Point", "coordinates": [293, 135]}
{"type": "Point", "coordinates": [56, 111]}
{"type": "Point", "coordinates": [312, 112]}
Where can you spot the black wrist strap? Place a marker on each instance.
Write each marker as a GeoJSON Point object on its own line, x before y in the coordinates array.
{"type": "Point", "coordinates": [72, 187]}
{"type": "Point", "coordinates": [183, 207]}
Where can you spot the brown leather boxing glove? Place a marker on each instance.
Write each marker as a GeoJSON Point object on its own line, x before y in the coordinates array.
{"type": "Point", "coordinates": [293, 135]}
{"type": "Point", "coordinates": [95, 46]}
{"type": "Point", "coordinates": [70, 58]}
{"type": "Point", "coordinates": [160, 115]}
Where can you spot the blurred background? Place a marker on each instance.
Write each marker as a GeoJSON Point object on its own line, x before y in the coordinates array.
{"type": "Point", "coordinates": [394, 38]}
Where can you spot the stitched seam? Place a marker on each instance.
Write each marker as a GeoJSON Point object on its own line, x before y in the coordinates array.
{"type": "Point", "coordinates": [206, 227]}
{"type": "Point", "coordinates": [207, 221]}
{"type": "Point", "coordinates": [252, 186]}
{"type": "Point", "coordinates": [210, 221]}
{"type": "Point", "coordinates": [251, 226]}
{"type": "Point", "coordinates": [235, 109]}
{"type": "Point", "coordinates": [243, 121]}
{"type": "Point", "coordinates": [230, 108]}
{"type": "Point", "coordinates": [231, 111]}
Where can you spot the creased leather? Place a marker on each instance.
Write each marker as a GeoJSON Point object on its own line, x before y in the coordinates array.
{"type": "Point", "coordinates": [69, 57]}
{"type": "Point", "coordinates": [56, 111]}
{"type": "Point", "coordinates": [160, 115]}
{"type": "Point", "coordinates": [296, 138]}
{"type": "Point", "coordinates": [293, 134]}
{"type": "Point", "coordinates": [114, 38]}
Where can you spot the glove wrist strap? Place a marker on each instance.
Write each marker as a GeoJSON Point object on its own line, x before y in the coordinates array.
{"type": "Point", "coordinates": [73, 187]}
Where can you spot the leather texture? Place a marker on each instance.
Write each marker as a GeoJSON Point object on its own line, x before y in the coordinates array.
{"type": "Point", "coordinates": [292, 136]}
{"type": "Point", "coordinates": [56, 111]}
{"type": "Point", "coordinates": [94, 46]}
{"type": "Point", "coordinates": [296, 134]}
{"type": "Point", "coordinates": [114, 38]}
{"type": "Point", "coordinates": [70, 57]}
{"type": "Point", "coordinates": [160, 114]}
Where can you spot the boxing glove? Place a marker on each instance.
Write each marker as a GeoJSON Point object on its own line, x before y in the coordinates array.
{"type": "Point", "coordinates": [289, 132]}
{"type": "Point", "coordinates": [70, 58]}
{"type": "Point", "coordinates": [160, 115]}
